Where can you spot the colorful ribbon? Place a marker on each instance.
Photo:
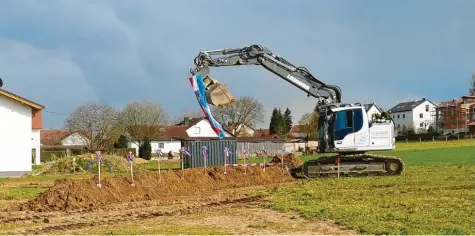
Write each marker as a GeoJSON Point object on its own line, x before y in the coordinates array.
{"type": "Point", "coordinates": [159, 152]}
{"type": "Point", "coordinates": [227, 151]}
{"type": "Point", "coordinates": [205, 151]}
{"type": "Point", "coordinates": [100, 158]}
{"type": "Point", "coordinates": [183, 150]}
{"type": "Point", "coordinates": [131, 157]}
{"type": "Point", "coordinates": [200, 91]}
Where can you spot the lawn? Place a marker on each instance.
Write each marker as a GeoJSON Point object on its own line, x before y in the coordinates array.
{"type": "Point", "coordinates": [435, 195]}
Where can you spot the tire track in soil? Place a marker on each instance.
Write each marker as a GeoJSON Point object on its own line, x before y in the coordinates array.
{"type": "Point", "coordinates": [187, 210]}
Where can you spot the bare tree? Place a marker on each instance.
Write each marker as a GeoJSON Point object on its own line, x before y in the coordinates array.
{"type": "Point", "coordinates": [187, 113]}
{"type": "Point", "coordinates": [471, 91]}
{"type": "Point", "coordinates": [98, 123]}
{"type": "Point", "coordinates": [309, 123]}
{"type": "Point", "coordinates": [245, 111]}
{"type": "Point", "coordinates": [143, 120]}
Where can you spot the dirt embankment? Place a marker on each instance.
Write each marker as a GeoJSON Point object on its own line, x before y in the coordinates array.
{"type": "Point", "coordinates": [80, 194]}
{"type": "Point", "coordinates": [289, 159]}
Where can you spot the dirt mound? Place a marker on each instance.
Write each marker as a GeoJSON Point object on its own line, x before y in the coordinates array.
{"type": "Point", "coordinates": [289, 159]}
{"type": "Point", "coordinates": [67, 194]}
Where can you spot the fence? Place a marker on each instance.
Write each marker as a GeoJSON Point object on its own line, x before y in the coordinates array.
{"type": "Point", "coordinates": [256, 148]}
{"type": "Point", "coordinates": [215, 150]}
{"type": "Point", "coordinates": [426, 137]}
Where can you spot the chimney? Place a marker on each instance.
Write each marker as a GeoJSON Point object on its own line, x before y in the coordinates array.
{"type": "Point", "coordinates": [187, 121]}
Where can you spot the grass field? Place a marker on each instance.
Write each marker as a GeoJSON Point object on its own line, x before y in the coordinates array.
{"type": "Point", "coordinates": [435, 194]}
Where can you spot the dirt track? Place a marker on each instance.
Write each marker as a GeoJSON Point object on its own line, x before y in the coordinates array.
{"type": "Point", "coordinates": [236, 211]}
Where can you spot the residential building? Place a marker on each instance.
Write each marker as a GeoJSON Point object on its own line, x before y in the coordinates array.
{"type": "Point", "coordinates": [372, 110]}
{"type": "Point", "coordinates": [299, 139]}
{"type": "Point", "coordinates": [19, 134]}
{"type": "Point", "coordinates": [170, 137]}
{"type": "Point", "coordinates": [418, 115]}
{"type": "Point", "coordinates": [62, 138]}
{"type": "Point", "coordinates": [457, 115]}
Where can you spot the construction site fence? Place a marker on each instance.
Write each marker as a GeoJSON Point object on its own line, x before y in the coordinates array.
{"type": "Point", "coordinates": [426, 137]}
{"type": "Point", "coordinates": [257, 148]}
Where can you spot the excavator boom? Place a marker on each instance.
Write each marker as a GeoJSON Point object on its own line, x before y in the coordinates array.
{"type": "Point", "coordinates": [218, 94]}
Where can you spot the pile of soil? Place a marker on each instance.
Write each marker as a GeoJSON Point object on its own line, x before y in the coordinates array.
{"type": "Point", "coordinates": [289, 159]}
{"type": "Point", "coordinates": [67, 194]}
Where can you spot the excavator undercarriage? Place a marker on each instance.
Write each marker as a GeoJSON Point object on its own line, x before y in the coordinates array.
{"type": "Point", "coordinates": [349, 165]}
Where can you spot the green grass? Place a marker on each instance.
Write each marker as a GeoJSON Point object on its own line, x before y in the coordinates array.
{"type": "Point", "coordinates": [435, 195]}
{"type": "Point", "coordinates": [20, 193]}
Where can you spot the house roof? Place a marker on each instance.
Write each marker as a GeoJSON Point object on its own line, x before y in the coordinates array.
{"type": "Point", "coordinates": [21, 99]}
{"type": "Point", "coordinates": [53, 137]}
{"type": "Point", "coordinates": [408, 106]}
{"type": "Point", "coordinates": [370, 105]}
{"type": "Point", "coordinates": [265, 133]}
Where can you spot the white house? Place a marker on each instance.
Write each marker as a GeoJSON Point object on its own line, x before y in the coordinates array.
{"type": "Point", "coordinates": [372, 110]}
{"type": "Point", "coordinates": [62, 138]}
{"type": "Point", "coordinates": [420, 114]}
{"type": "Point", "coordinates": [19, 134]}
{"type": "Point", "coordinates": [171, 136]}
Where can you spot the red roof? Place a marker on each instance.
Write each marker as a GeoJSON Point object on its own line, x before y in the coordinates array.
{"type": "Point", "coordinates": [297, 129]}
{"type": "Point", "coordinates": [53, 137]}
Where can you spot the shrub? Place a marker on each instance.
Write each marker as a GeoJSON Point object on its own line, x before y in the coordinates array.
{"type": "Point", "coordinates": [145, 150]}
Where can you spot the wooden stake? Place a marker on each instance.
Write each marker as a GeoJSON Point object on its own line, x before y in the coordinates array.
{"type": "Point", "coordinates": [132, 172]}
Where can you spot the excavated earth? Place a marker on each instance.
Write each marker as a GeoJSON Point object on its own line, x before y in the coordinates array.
{"type": "Point", "coordinates": [289, 159]}
{"type": "Point", "coordinates": [84, 194]}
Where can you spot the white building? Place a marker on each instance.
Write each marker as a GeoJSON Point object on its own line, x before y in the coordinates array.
{"type": "Point", "coordinates": [62, 138]}
{"type": "Point", "coordinates": [19, 134]}
{"type": "Point", "coordinates": [170, 137]}
{"type": "Point", "coordinates": [372, 110]}
{"type": "Point", "coordinates": [418, 114]}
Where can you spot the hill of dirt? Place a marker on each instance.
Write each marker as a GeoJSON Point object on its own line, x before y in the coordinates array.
{"type": "Point", "coordinates": [69, 194]}
{"type": "Point", "coordinates": [289, 159]}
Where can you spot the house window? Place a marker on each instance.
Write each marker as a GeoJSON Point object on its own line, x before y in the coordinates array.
{"type": "Point", "coordinates": [421, 115]}
{"type": "Point", "coordinates": [197, 130]}
{"type": "Point", "coordinates": [161, 145]}
{"type": "Point", "coordinates": [397, 116]}
{"type": "Point", "coordinates": [427, 107]}
{"type": "Point", "coordinates": [421, 124]}
{"type": "Point", "coordinates": [403, 115]}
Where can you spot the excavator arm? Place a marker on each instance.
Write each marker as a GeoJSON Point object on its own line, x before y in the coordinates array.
{"type": "Point", "coordinates": [300, 77]}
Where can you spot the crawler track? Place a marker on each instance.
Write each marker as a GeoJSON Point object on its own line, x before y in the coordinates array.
{"type": "Point", "coordinates": [350, 165]}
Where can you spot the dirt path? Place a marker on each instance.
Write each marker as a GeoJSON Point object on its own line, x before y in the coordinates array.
{"type": "Point", "coordinates": [238, 211]}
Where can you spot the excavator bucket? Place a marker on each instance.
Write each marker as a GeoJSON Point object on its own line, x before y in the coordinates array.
{"type": "Point", "coordinates": [217, 94]}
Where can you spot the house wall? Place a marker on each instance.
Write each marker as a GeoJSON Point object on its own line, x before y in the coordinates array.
{"type": "Point", "coordinates": [402, 119]}
{"type": "Point", "coordinates": [165, 146]}
{"type": "Point", "coordinates": [36, 145]}
{"type": "Point", "coordinates": [372, 111]}
{"type": "Point", "coordinates": [413, 117]}
{"type": "Point", "coordinates": [203, 129]}
{"type": "Point", "coordinates": [15, 138]}
{"type": "Point", "coordinates": [74, 139]}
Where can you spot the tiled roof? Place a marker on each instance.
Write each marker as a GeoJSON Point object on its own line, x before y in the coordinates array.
{"type": "Point", "coordinates": [53, 137]}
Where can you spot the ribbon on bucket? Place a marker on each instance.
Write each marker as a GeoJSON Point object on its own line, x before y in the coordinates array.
{"type": "Point", "coordinates": [200, 91]}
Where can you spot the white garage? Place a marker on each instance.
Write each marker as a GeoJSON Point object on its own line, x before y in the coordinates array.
{"type": "Point", "coordinates": [20, 125]}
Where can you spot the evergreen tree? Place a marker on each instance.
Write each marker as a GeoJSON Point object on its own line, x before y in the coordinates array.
{"type": "Point", "coordinates": [287, 120]}
{"type": "Point", "coordinates": [145, 150]}
{"type": "Point", "coordinates": [121, 142]}
{"type": "Point", "coordinates": [280, 123]}
{"type": "Point", "coordinates": [273, 121]}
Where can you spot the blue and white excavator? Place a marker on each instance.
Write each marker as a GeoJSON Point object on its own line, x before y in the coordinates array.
{"type": "Point", "coordinates": [343, 129]}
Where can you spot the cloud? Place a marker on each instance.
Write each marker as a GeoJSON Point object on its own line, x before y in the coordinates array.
{"type": "Point", "coordinates": [117, 51]}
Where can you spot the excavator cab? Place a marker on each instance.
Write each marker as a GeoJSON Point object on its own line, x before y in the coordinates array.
{"type": "Point", "coordinates": [217, 93]}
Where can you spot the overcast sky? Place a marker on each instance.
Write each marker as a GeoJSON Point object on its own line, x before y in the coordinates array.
{"type": "Point", "coordinates": [65, 53]}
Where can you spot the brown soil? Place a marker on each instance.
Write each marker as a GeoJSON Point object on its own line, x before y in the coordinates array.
{"type": "Point", "coordinates": [69, 194]}
{"type": "Point", "coordinates": [289, 159]}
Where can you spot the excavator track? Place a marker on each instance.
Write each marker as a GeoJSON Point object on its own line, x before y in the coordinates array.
{"type": "Point", "coordinates": [350, 165]}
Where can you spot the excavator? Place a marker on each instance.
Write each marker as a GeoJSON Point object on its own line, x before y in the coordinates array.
{"type": "Point", "coordinates": [344, 129]}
